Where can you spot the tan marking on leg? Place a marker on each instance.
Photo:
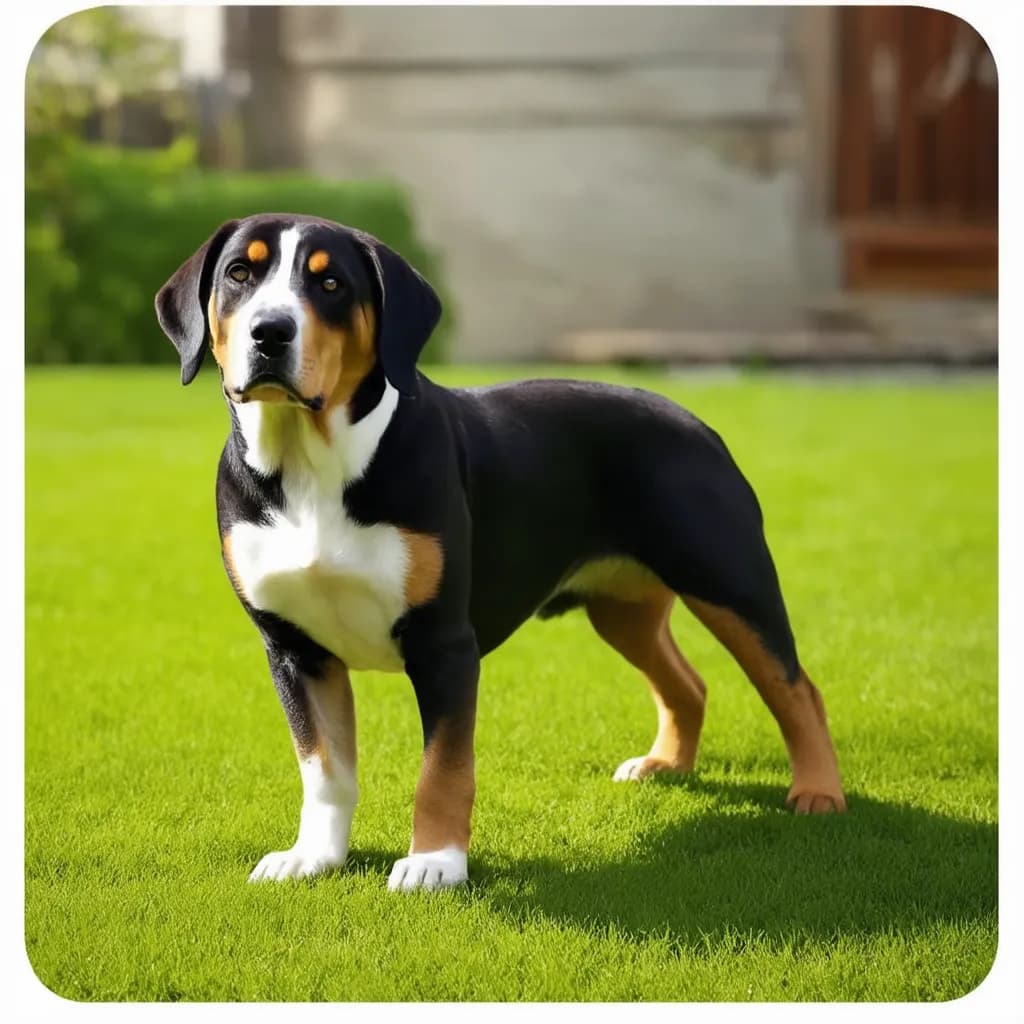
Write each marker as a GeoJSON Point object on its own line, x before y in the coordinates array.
{"type": "Point", "coordinates": [335, 361]}
{"type": "Point", "coordinates": [321, 718]}
{"type": "Point", "coordinates": [332, 709]}
{"type": "Point", "coordinates": [639, 631]}
{"type": "Point", "coordinates": [797, 707]}
{"type": "Point", "coordinates": [318, 261]}
{"type": "Point", "coordinates": [257, 251]}
{"type": "Point", "coordinates": [444, 794]}
{"type": "Point", "coordinates": [425, 567]}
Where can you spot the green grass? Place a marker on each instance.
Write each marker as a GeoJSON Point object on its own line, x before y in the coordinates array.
{"type": "Point", "coordinates": [159, 767]}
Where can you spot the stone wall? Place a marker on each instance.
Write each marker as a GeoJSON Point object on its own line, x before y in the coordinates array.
{"type": "Point", "coordinates": [578, 168]}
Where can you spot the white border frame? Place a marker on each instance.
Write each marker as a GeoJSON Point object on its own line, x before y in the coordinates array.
{"type": "Point", "coordinates": [992, 1000]}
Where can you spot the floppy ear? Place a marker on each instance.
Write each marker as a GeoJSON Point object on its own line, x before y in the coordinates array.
{"type": "Point", "coordinates": [407, 312]}
{"type": "Point", "coordinates": [181, 303]}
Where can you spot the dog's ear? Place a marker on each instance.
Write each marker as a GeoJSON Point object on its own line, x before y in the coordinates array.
{"type": "Point", "coordinates": [181, 303]}
{"type": "Point", "coordinates": [407, 312]}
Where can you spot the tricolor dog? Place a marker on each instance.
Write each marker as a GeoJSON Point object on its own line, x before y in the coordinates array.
{"type": "Point", "coordinates": [370, 519]}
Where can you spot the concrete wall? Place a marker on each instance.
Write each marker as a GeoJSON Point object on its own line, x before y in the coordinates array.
{"type": "Point", "coordinates": [578, 168]}
{"type": "Point", "coordinates": [198, 31]}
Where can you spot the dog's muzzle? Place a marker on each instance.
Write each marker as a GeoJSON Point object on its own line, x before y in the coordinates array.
{"type": "Point", "coordinates": [250, 392]}
{"type": "Point", "coordinates": [271, 360]}
{"type": "Point", "coordinates": [273, 334]}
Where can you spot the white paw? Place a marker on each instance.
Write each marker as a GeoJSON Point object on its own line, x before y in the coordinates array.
{"type": "Point", "coordinates": [433, 870]}
{"type": "Point", "coordinates": [632, 770]}
{"type": "Point", "coordinates": [293, 863]}
{"type": "Point", "coordinates": [637, 768]}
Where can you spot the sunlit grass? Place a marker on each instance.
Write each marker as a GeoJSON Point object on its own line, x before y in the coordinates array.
{"type": "Point", "coordinates": [159, 768]}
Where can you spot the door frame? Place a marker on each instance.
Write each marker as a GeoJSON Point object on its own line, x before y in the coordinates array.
{"type": "Point", "coordinates": [856, 254]}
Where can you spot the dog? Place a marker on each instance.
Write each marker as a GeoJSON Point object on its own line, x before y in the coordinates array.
{"type": "Point", "coordinates": [370, 519]}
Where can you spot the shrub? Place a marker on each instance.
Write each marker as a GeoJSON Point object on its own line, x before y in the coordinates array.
{"type": "Point", "coordinates": [98, 251]}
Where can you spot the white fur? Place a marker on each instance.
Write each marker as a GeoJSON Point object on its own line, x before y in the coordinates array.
{"type": "Point", "coordinates": [274, 294]}
{"type": "Point", "coordinates": [328, 802]}
{"type": "Point", "coordinates": [433, 870]}
{"type": "Point", "coordinates": [630, 770]}
{"type": "Point", "coordinates": [340, 582]}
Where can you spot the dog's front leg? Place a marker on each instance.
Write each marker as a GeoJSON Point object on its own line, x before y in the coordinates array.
{"type": "Point", "coordinates": [444, 675]}
{"type": "Point", "coordinates": [316, 696]}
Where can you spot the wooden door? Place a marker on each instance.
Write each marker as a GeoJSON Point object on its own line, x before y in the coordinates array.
{"type": "Point", "coordinates": [916, 174]}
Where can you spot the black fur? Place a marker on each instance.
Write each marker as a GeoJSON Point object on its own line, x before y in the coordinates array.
{"type": "Point", "coordinates": [181, 303]}
{"type": "Point", "coordinates": [527, 482]}
{"type": "Point", "coordinates": [522, 483]}
{"type": "Point", "coordinates": [407, 309]}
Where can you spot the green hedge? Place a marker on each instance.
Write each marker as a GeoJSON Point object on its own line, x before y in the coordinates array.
{"type": "Point", "coordinates": [100, 247]}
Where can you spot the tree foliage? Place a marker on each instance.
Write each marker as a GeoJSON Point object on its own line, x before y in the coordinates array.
{"type": "Point", "coordinates": [83, 66]}
{"type": "Point", "coordinates": [106, 225]}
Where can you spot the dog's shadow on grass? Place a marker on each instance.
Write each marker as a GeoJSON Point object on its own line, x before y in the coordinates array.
{"type": "Point", "coordinates": [880, 868]}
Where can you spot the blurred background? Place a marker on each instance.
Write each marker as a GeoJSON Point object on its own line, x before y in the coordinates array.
{"type": "Point", "coordinates": [664, 184]}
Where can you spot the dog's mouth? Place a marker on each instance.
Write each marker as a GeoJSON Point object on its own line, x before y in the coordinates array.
{"type": "Point", "coordinates": [268, 387]}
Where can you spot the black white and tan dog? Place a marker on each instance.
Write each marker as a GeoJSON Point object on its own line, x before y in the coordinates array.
{"type": "Point", "coordinates": [370, 519]}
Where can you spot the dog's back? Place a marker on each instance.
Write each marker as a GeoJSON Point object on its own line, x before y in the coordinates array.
{"type": "Point", "coordinates": [601, 473]}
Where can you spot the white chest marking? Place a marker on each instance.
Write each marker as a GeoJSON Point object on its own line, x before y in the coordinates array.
{"type": "Point", "coordinates": [340, 582]}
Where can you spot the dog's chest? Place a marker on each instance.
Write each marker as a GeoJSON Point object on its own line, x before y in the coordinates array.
{"type": "Point", "coordinates": [340, 582]}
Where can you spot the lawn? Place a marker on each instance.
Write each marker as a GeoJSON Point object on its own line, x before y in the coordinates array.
{"type": "Point", "coordinates": [159, 767]}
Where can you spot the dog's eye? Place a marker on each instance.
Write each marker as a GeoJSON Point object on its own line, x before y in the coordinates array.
{"type": "Point", "coordinates": [330, 284]}
{"type": "Point", "coordinates": [238, 272]}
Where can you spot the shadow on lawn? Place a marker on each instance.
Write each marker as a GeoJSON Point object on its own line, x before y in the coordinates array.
{"type": "Point", "coordinates": [880, 868]}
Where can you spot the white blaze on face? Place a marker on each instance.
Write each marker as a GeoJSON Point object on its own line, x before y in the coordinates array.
{"type": "Point", "coordinates": [274, 294]}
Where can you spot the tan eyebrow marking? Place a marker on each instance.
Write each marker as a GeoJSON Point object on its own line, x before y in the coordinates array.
{"type": "Point", "coordinates": [318, 261]}
{"type": "Point", "coordinates": [257, 251]}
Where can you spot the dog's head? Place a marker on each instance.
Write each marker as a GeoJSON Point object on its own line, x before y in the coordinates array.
{"type": "Point", "coordinates": [297, 309]}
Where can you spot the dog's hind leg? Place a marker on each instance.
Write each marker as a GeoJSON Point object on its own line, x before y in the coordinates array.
{"type": "Point", "coordinates": [717, 560]}
{"type": "Point", "coordinates": [639, 631]}
{"type": "Point", "coordinates": [794, 701]}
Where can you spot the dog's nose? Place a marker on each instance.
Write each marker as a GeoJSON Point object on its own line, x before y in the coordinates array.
{"type": "Point", "coordinates": [272, 332]}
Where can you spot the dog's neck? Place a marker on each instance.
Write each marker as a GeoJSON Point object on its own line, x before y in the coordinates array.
{"type": "Point", "coordinates": [283, 438]}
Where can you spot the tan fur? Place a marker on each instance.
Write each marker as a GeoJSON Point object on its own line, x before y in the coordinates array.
{"type": "Point", "coordinates": [229, 563]}
{"type": "Point", "coordinates": [622, 578]}
{"type": "Point", "coordinates": [318, 261]}
{"type": "Point", "coordinates": [425, 567]}
{"type": "Point", "coordinates": [267, 393]}
{"type": "Point", "coordinates": [335, 361]}
{"type": "Point", "coordinates": [332, 710]}
{"type": "Point", "coordinates": [444, 794]}
{"type": "Point", "coordinates": [257, 251]}
{"type": "Point", "coordinates": [797, 707]}
{"type": "Point", "coordinates": [638, 628]}
{"type": "Point", "coordinates": [220, 331]}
